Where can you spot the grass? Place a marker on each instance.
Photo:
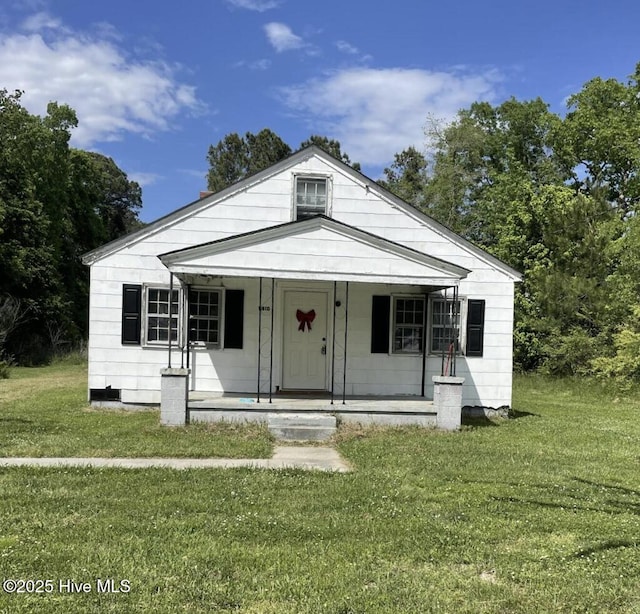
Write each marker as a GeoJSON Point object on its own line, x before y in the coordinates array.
{"type": "Point", "coordinates": [44, 412]}
{"type": "Point", "coordinates": [540, 513]}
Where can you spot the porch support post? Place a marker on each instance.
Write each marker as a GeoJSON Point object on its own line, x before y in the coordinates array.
{"type": "Point", "coordinates": [273, 287]}
{"type": "Point", "coordinates": [259, 339]}
{"type": "Point", "coordinates": [188, 325]}
{"type": "Point", "coordinates": [181, 326]}
{"type": "Point", "coordinates": [333, 340]}
{"type": "Point", "coordinates": [346, 329]}
{"type": "Point", "coordinates": [444, 331]}
{"type": "Point", "coordinates": [456, 333]}
{"type": "Point", "coordinates": [170, 314]}
{"type": "Point", "coordinates": [424, 343]}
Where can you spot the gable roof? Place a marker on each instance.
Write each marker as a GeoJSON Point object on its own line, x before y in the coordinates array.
{"type": "Point", "coordinates": [318, 248]}
{"type": "Point", "coordinates": [294, 159]}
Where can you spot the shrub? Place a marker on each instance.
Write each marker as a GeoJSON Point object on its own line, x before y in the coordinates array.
{"type": "Point", "coordinates": [6, 363]}
{"type": "Point", "coordinates": [624, 365]}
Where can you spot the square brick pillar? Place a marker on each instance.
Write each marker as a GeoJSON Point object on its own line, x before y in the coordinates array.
{"type": "Point", "coordinates": [173, 396]}
{"type": "Point", "coordinates": [447, 400]}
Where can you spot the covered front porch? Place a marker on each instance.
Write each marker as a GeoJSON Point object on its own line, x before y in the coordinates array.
{"type": "Point", "coordinates": [309, 329]}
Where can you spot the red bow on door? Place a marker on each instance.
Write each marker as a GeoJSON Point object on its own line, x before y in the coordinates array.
{"type": "Point", "coordinates": [305, 319]}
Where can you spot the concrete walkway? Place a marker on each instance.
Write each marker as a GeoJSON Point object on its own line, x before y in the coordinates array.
{"type": "Point", "coordinates": [284, 457]}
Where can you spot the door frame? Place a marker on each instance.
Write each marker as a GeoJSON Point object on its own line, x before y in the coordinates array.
{"type": "Point", "coordinates": [300, 286]}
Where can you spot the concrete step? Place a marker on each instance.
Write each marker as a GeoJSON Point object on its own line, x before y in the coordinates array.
{"type": "Point", "coordinates": [301, 427]}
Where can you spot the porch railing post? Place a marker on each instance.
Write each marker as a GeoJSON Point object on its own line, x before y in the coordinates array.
{"type": "Point", "coordinates": [346, 329]}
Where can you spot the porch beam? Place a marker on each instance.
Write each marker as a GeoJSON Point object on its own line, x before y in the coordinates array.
{"type": "Point", "coordinates": [185, 270]}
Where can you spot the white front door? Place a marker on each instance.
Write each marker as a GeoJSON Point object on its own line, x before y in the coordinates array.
{"type": "Point", "coordinates": [304, 358]}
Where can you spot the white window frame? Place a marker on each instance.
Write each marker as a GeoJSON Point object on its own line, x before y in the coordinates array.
{"type": "Point", "coordinates": [220, 317]}
{"type": "Point", "coordinates": [462, 323]}
{"type": "Point", "coordinates": [146, 315]}
{"type": "Point", "coordinates": [394, 324]}
{"type": "Point", "coordinates": [311, 177]}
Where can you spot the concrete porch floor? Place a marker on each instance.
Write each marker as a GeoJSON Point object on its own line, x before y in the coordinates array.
{"type": "Point", "coordinates": [205, 406]}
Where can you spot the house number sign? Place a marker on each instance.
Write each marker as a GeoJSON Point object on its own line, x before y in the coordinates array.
{"type": "Point", "coordinates": [264, 308]}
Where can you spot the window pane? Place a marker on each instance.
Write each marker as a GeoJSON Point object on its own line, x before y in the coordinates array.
{"type": "Point", "coordinates": [311, 197]}
{"type": "Point", "coordinates": [407, 339]}
{"type": "Point", "coordinates": [157, 306]}
{"type": "Point", "coordinates": [409, 325]}
{"type": "Point", "coordinates": [204, 316]}
{"type": "Point", "coordinates": [445, 329]}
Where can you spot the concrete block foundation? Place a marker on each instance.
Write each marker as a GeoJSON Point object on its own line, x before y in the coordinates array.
{"type": "Point", "coordinates": [447, 400]}
{"type": "Point", "coordinates": [173, 397]}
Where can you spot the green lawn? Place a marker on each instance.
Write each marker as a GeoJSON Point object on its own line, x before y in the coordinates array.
{"type": "Point", "coordinates": [44, 412]}
{"type": "Point", "coordinates": [536, 514]}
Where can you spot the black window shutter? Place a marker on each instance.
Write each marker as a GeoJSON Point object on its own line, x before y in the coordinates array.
{"type": "Point", "coordinates": [475, 327]}
{"type": "Point", "coordinates": [131, 314]}
{"type": "Point", "coordinates": [233, 318]}
{"type": "Point", "coordinates": [380, 314]}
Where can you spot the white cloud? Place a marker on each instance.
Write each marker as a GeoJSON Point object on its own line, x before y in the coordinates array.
{"type": "Point", "coordinates": [346, 47]}
{"type": "Point", "coordinates": [41, 21]}
{"type": "Point", "coordinates": [282, 38]}
{"type": "Point", "coordinates": [255, 5]}
{"type": "Point", "coordinates": [144, 179]}
{"type": "Point", "coordinates": [376, 113]}
{"type": "Point", "coordinates": [111, 93]}
{"type": "Point", "coordinates": [263, 64]}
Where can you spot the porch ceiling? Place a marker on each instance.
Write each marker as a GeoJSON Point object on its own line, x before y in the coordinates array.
{"type": "Point", "coordinates": [318, 248]}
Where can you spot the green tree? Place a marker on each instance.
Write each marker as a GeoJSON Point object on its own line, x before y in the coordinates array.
{"type": "Point", "coordinates": [407, 177]}
{"type": "Point", "coordinates": [235, 157]}
{"type": "Point", "coordinates": [55, 204]}
{"type": "Point", "coordinates": [600, 140]}
{"type": "Point", "coordinates": [502, 177]}
{"type": "Point", "coordinates": [331, 146]}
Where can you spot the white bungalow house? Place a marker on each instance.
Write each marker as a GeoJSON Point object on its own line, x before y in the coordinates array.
{"type": "Point", "coordinates": [307, 280]}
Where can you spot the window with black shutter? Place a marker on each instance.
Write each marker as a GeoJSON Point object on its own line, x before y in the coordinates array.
{"type": "Point", "coordinates": [131, 314]}
{"type": "Point", "coordinates": [475, 327]}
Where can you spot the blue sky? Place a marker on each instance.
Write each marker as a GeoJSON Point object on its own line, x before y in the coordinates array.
{"type": "Point", "coordinates": [154, 83]}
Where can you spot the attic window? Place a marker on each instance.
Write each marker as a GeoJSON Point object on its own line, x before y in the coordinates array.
{"type": "Point", "coordinates": [311, 197]}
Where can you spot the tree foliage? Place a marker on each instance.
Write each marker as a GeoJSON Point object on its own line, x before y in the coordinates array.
{"type": "Point", "coordinates": [55, 204]}
{"type": "Point", "coordinates": [556, 198]}
{"type": "Point", "coordinates": [234, 157]}
{"type": "Point", "coordinates": [331, 146]}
